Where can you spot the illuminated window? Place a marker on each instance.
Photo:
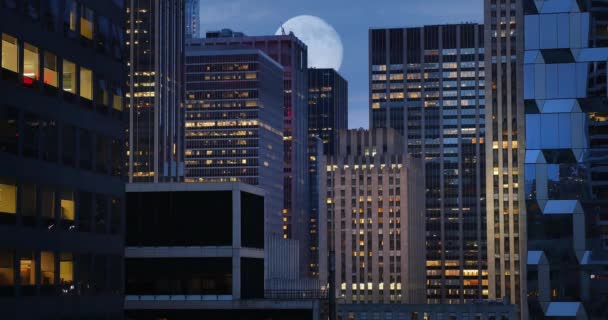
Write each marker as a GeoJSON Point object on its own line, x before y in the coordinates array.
{"type": "Point", "coordinates": [47, 268]}
{"type": "Point", "coordinates": [27, 269]}
{"type": "Point", "coordinates": [8, 198]}
{"type": "Point", "coordinates": [67, 206]}
{"type": "Point", "coordinates": [31, 68]}
{"type": "Point", "coordinates": [66, 269]}
{"type": "Point", "coordinates": [86, 23]}
{"type": "Point", "coordinates": [70, 15]}
{"type": "Point", "coordinates": [117, 99]}
{"type": "Point", "coordinates": [50, 69]}
{"type": "Point", "coordinates": [10, 53]}
{"type": "Point", "coordinates": [7, 270]}
{"type": "Point", "coordinates": [251, 76]}
{"type": "Point", "coordinates": [86, 83]}
{"type": "Point", "coordinates": [69, 76]}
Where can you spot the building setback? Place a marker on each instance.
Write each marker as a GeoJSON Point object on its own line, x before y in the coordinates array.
{"type": "Point", "coordinates": [428, 83]}
{"type": "Point", "coordinates": [62, 81]}
{"type": "Point", "coordinates": [234, 122]}
{"type": "Point", "coordinates": [155, 42]}
{"type": "Point", "coordinates": [327, 106]}
{"type": "Point", "coordinates": [291, 53]}
{"type": "Point", "coordinates": [376, 205]}
{"type": "Point", "coordinates": [505, 138]}
{"type": "Point", "coordinates": [566, 185]}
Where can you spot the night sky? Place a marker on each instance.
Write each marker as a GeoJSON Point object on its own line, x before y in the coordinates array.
{"type": "Point", "coordinates": [350, 18]}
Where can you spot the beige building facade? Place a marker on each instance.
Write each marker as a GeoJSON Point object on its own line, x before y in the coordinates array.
{"type": "Point", "coordinates": [375, 202]}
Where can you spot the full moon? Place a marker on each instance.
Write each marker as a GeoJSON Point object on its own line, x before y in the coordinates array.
{"type": "Point", "coordinates": [324, 44]}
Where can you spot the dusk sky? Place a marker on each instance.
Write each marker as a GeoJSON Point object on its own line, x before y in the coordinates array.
{"type": "Point", "coordinates": [350, 18]}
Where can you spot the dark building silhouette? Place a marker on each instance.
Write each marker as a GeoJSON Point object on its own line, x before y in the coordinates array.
{"type": "Point", "coordinates": [428, 84]}
{"type": "Point", "coordinates": [187, 261]}
{"type": "Point", "coordinates": [327, 106]}
{"type": "Point", "coordinates": [155, 44]}
{"type": "Point", "coordinates": [61, 159]}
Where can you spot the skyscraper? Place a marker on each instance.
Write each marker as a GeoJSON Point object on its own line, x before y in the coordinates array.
{"type": "Point", "coordinates": [506, 214]}
{"type": "Point", "coordinates": [155, 39]}
{"type": "Point", "coordinates": [375, 201]}
{"type": "Point", "coordinates": [317, 220]}
{"type": "Point", "coordinates": [566, 186]}
{"type": "Point", "coordinates": [62, 153]}
{"type": "Point", "coordinates": [428, 83]}
{"type": "Point", "coordinates": [193, 19]}
{"type": "Point", "coordinates": [234, 122]}
{"type": "Point", "coordinates": [327, 106]}
{"type": "Point", "coordinates": [291, 53]}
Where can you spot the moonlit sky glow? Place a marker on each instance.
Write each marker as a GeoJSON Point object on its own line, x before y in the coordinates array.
{"type": "Point", "coordinates": [323, 42]}
{"type": "Point", "coordinates": [351, 19]}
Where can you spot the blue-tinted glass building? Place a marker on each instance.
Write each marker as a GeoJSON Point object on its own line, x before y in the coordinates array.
{"type": "Point", "coordinates": [193, 19]}
{"type": "Point", "coordinates": [566, 162]}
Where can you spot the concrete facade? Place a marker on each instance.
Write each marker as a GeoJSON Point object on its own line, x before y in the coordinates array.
{"type": "Point", "coordinates": [375, 202]}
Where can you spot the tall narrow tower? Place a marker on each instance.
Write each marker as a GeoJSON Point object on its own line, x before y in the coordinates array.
{"type": "Point", "coordinates": [155, 38]}
{"type": "Point", "coordinates": [505, 139]}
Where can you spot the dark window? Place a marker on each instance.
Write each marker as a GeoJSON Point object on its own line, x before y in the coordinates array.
{"type": "Point", "coordinates": [50, 143]}
{"type": "Point", "coordinates": [31, 135]}
{"type": "Point", "coordinates": [179, 218]}
{"type": "Point", "coordinates": [86, 150]}
{"type": "Point", "coordinates": [252, 278]}
{"type": "Point", "coordinates": [179, 276]}
{"type": "Point", "coordinates": [9, 126]}
{"type": "Point", "coordinates": [85, 207]}
{"type": "Point", "coordinates": [68, 145]}
{"type": "Point", "coordinates": [252, 220]}
{"type": "Point", "coordinates": [101, 213]}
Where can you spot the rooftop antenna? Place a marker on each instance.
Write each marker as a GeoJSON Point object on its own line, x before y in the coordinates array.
{"type": "Point", "coordinates": [283, 29]}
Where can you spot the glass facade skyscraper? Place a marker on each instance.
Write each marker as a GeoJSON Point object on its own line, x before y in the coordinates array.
{"type": "Point", "coordinates": [505, 150]}
{"type": "Point", "coordinates": [428, 84]}
{"type": "Point", "coordinates": [566, 161]}
{"type": "Point", "coordinates": [327, 106]}
{"type": "Point", "coordinates": [234, 122]}
{"type": "Point", "coordinates": [62, 80]}
{"type": "Point", "coordinates": [193, 19]}
{"type": "Point", "coordinates": [155, 43]}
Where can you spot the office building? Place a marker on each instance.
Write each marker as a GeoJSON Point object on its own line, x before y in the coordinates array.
{"type": "Point", "coordinates": [62, 82]}
{"type": "Point", "coordinates": [505, 208]}
{"type": "Point", "coordinates": [375, 200]}
{"type": "Point", "coordinates": [317, 221]}
{"type": "Point", "coordinates": [291, 53]}
{"type": "Point", "coordinates": [566, 186]}
{"type": "Point", "coordinates": [193, 19]}
{"type": "Point", "coordinates": [185, 260]}
{"type": "Point", "coordinates": [234, 122]}
{"type": "Point", "coordinates": [483, 310]}
{"type": "Point", "coordinates": [428, 83]}
{"type": "Point", "coordinates": [327, 106]}
{"type": "Point", "coordinates": [155, 44]}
